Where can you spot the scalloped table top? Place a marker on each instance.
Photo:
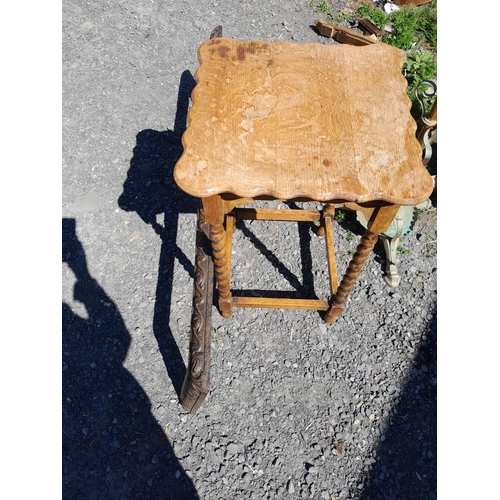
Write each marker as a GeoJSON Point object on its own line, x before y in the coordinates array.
{"type": "Point", "coordinates": [301, 121]}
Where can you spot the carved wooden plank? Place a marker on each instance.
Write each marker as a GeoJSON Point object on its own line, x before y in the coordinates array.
{"type": "Point", "coordinates": [197, 379]}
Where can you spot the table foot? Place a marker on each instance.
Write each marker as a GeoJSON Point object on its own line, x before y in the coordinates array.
{"type": "Point", "coordinates": [197, 379]}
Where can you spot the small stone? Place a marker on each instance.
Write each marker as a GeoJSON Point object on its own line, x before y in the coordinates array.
{"type": "Point", "coordinates": [289, 487]}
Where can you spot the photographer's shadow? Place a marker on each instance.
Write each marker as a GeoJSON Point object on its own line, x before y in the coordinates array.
{"type": "Point", "coordinates": [150, 191]}
{"type": "Point", "coordinates": [112, 445]}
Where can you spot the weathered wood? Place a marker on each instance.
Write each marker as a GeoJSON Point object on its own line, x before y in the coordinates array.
{"type": "Point", "coordinates": [275, 303]}
{"type": "Point", "coordinates": [229, 205]}
{"type": "Point", "coordinates": [368, 27]}
{"type": "Point", "coordinates": [197, 379]}
{"type": "Point", "coordinates": [277, 214]}
{"type": "Point", "coordinates": [351, 37]}
{"type": "Point", "coordinates": [263, 123]}
{"type": "Point", "coordinates": [213, 209]}
{"type": "Point", "coordinates": [381, 218]}
{"type": "Point", "coordinates": [330, 254]}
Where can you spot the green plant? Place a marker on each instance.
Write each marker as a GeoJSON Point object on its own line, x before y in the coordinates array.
{"type": "Point", "coordinates": [413, 29]}
{"type": "Point", "coordinates": [418, 67]}
{"type": "Point", "coordinates": [349, 236]}
{"type": "Point", "coordinates": [326, 9]}
{"type": "Point", "coordinates": [404, 25]}
{"type": "Point", "coordinates": [402, 249]}
{"type": "Point", "coordinates": [427, 22]}
{"type": "Point", "coordinates": [376, 16]}
{"type": "Point", "coordinates": [218, 333]}
{"type": "Point", "coordinates": [408, 25]}
{"type": "Point", "coordinates": [430, 245]}
{"type": "Point", "coordinates": [340, 216]}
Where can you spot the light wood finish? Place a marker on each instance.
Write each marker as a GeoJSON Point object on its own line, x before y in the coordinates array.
{"type": "Point", "coordinates": [379, 222]}
{"type": "Point", "coordinates": [214, 216]}
{"type": "Point", "coordinates": [289, 121]}
{"type": "Point", "coordinates": [228, 205]}
{"type": "Point", "coordinates": [329, 214]}
{"type": "Point", "coordinates": [284, 121]}
{"type": "Point", "coordinates": [275, 303]}
{"type": "Point", "coordinates": [277, 214]}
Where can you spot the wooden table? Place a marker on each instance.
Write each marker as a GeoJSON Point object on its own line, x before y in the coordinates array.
{"type": "Point", "coordinates": [291, 122]}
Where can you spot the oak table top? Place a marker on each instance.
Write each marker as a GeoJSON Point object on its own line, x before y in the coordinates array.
{"type": "Point", "coordinates": [301, 121]}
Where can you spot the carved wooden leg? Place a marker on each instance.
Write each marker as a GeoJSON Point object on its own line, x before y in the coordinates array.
{"type": "Point", "coordinates": [197, 380]}
{"type": "Point", "coordinates": [357, 263]}
{"type": "Point", "coordinates": [380, 220]}
{"type": "Point", "coordinates": [215, 217]}
{"type": "Point", "coordinates": [222, 274]}
{"type": "Point", "coordinates": [328, 211]}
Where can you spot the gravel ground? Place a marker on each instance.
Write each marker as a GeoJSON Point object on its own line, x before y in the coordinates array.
{"type": "Point", "coordinates": [298, 408]}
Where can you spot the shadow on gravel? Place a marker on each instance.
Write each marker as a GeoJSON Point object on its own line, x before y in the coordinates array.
{"type": "Point", "coordinates": [112, 445]}
{"type": "Point", "coordinates": [150, 191]}
{"type": "Point", "coordinates": [406, 461]}
{"type": "Point", "coordinates": [304, 289]}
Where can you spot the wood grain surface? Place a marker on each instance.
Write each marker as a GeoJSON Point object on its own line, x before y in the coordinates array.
{"type": "Point", "coordinates": [301, 121]}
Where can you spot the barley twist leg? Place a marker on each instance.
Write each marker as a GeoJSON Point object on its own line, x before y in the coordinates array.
{"type": "Point", "coordinates": [351, 275]}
